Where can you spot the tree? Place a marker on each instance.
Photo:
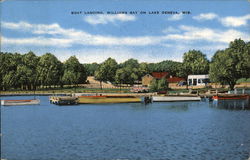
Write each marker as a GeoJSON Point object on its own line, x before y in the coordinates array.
{"type": "Point", "coordinates": [195, 62]}
{"type": "Point", "coordinates": [30, 61]}
{"type": "Point", "coordinates": [74, 72]}
{"type": "Point", "coordinates": [143, 70]}
{"type": "Point", "coordinates": [172, 67]}
{"type": "Point", "coordinates": [231, 64]}
{"type": "Point", "coordinates": [120, 76]}
{"type": "Point", "coordinates": [91, 68]}
{"type": "Point", "coordinates": [69, 77]}
{"type": "Point", "coordinates": [111, 67]}
{"type": "Point", "coordinates": [8, 68]}
{"type": "Point", "coordinates": [162, 84]}
{"type": "Point", "coordinates": [10, 80]}
{"type": "Point", "coordinates": [49, 70]}
{"type": "Point", "coordinates": [106, 71]}
{"type": "Point", "coordinates": [154, 85]}
{"type": "Point", "coordinates": [133, 63]}
{"type": "Point", "coordinates": [132, 70]}
{"type": "Point", "coordinates": [25, 76]}
{"type": "Point", "coordinates": [158, 85]}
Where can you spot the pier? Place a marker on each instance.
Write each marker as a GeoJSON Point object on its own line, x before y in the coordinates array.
{"type": "Point", "coordinates": [63, 100]}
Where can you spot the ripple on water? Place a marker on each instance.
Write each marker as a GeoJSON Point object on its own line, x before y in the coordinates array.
{"type": "Point", "coordinates": [190, 130]}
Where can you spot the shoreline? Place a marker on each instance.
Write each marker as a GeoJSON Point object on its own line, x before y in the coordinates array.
{"type": "Point", "coordinates": [76, 94]}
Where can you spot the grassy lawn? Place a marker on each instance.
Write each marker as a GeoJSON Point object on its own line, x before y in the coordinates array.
{"type": "Point", "coordinates": [72, 90]}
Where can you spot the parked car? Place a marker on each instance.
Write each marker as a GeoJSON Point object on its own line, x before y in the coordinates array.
{"type": "Point", "coordinates": [182, 83]}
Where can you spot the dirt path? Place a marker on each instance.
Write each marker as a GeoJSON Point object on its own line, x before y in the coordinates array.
{"type": "Point", "coordinates": [96, 84]}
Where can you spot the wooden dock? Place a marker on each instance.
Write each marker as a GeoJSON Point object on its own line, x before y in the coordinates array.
{"type": "Point", "coordinates": [63, 100]}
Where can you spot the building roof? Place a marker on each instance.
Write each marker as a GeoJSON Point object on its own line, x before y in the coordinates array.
{"type": "Point", "coordinates": [175, 79]}
{"type": "Point", "coordinates": [147, 75]}
{"type": "Point", "coordinates": [159, 75]}
{"type": "Point", "coordinates": [198, 76]}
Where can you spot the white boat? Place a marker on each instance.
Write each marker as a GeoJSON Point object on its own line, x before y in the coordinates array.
{"type": "Point", "coordinates": [174, 98]}
{"type": "Point", "coordinates": [19, 102]}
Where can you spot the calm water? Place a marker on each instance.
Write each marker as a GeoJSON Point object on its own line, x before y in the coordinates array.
{"type": "Point", "coordinates": [159, 131]}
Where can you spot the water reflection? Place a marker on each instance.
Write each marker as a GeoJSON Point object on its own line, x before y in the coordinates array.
{"type": "Point", "coordinates": [176, 130]}
{"type": "Point", "coordinates": [231, 104]}
{"type": "Point", "coordinates": [178, 108]}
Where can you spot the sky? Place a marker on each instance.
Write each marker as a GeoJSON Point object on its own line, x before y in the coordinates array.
{"type": "Point", "coordinates": [147, 30]}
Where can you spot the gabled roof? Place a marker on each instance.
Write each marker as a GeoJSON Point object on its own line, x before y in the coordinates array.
{"type": "Point", "coordinates": [148, 75]}
{"type": "Point", "coordinates": [159, 75]}
{"type": "Point", "coordinates": [175, 79]}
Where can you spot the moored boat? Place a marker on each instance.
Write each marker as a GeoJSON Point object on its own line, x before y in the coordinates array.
{"type": "Point", "coordinates": [19, 102]}
{"type": "Point", "coordinates": [108, 99]}
{"type": "Point", "coordinates": [175, 98]}
{"type": "Point", "coordinates": [63, 100]}
{"type": "Point", "coordinates": [230, 97]}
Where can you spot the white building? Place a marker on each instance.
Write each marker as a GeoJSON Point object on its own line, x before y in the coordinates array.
{"type": "Point", "coordinates": [198, 80]}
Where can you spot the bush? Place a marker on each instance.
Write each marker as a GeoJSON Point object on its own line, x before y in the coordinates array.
{"type": "Point", "coordinates": [242, 80]}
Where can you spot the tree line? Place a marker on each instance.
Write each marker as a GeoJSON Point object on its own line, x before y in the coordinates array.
{"type": "Point", "coordinates": [28, 71]}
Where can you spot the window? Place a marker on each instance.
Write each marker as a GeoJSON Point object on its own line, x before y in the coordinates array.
{"type": "Point", "coordinates": [194, 82]}
{"type": "Point", "coordinates": [189, 81]}
{"type": "Point", "coordinates": [199, 80]}
{"type": "Point", "coordinates": [206, 80]}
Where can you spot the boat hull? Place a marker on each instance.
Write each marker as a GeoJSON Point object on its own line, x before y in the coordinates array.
{"type": "Point", "coordinates": [174, 98]}
{"type": "Point", "coordinates": [230, 97]}
{"type": "Point", "coordinates": [19, 102]}
{"type": "Point", "coordinates": [107, 99]}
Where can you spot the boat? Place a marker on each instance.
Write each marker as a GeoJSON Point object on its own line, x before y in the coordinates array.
{"type": "Point", "coordinates": [175, 98]}
{"type": "Point", "coordinates": [230, 97]}
{"type": "Point", "coordinates": [63, 100]}
{"type": "Point", "coordinates": [108, 99]}
{"type": "Point", "coordinates": [19, 102]}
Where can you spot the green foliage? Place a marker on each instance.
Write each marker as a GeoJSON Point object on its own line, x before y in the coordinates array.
{"type": "Point", "coordinates": [8, 70]}
{"type": "Point", "coordinates": [154, 85]}
{"type": "Point", "coordinates": [120, 76]}
{"type": "Point", "coordinates": [195, 62]}
{"type": "Point", "coordinates": [131, 71]}
{"type": "Point", "coordinates": [143, 70]}
{"type": "Point", "coordinates": [174, 68]}
{"type": "Point", "coordinates": [158, 85]}
{"type": "Point", "coordinates": [131, 63]}
{"type": "Point", "coordinates": [91, 68]}
{"type": "Point", "coordinates": [28, 70]}
{"type": "Point", "coordinates": [10, 80]}
{"type": "Point", "coordinates": [25, 75]}
{"type": "Point", "coordinates": [70, 77]}
{"type": "Point", "coordinates": [243, 80]}
{"type": "Point", "coordinates": [107, 71]}
{"type": "Point", "coordinates": [231, 64]}
{"type": "Point", "coordinates": [162, 85]}
{"type": "Point", "coordinates": [74, 72]}
{"type": "Point", "coordinates": [49, 70]}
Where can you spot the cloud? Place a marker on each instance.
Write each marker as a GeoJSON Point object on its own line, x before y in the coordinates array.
{"type": "Point", "coordinates": [170, 29]}
{"type": "Point", "coordinates": [228, 21]}
{"type": "Point", "coordinates": [105, 19]}
{"type": "Point", "coordinates": [54, 35]}
{"type": "Point", "coordinates": [190, 33]}
{"type": "Point", "coordinates": [175, 17]}
{"type": "Point", "coordinates": [37, 41]}
{"type": "Point", "coordinates": [235, 21]}
{"type": "Point", "coordinates": [68, 37]}
{"type": "Point", "coordinates": [205, 16]}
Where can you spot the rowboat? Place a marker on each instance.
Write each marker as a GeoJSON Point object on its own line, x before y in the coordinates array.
{"type": "Point", "coordinates": [230, 97]}
{"type": "Point", "coordinates": [19, 102]}
{"type": "Point", "coordinates": [108, 99]}
{"type": "Point", "coordinates": [175, 98]}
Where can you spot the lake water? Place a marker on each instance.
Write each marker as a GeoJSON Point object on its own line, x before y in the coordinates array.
{"type": "Point", "coordinates": [158, 131]}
